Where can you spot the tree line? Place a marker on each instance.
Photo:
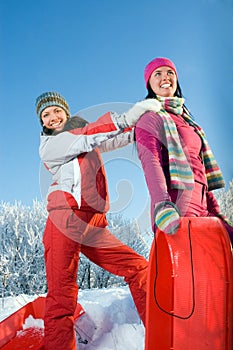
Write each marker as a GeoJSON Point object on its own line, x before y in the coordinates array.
{"type": "Point", "coordinates": [22, 267]}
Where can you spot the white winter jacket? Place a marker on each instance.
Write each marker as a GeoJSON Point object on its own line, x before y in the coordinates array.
{"type": "Point", "coordinates": [73, 158]}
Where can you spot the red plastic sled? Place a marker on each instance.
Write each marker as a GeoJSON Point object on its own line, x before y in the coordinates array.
{"type": "Point", "coordinates": [12, 335]}
{"type": "Point", "coordinates": [190, 288]}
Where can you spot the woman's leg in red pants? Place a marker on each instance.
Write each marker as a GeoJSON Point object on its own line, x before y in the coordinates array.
{"type": "Point", "coordinates": [61, 260]}
{"type": "Point", "coordinates": [123, 261]}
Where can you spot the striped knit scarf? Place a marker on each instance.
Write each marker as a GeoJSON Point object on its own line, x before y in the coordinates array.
{"type": "Point", "coordinates": [180, 172]}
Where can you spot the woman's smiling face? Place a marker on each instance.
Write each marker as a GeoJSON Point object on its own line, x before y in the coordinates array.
{"type": "Point", "coordinates": [163, 81]}
{"type": "Point", "coordinates": [54, 118]}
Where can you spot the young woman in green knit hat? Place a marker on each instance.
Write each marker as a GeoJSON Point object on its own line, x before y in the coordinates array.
{"type": "Point", "coordinates": [77, 204]}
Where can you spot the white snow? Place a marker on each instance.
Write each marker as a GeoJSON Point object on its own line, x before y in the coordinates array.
{"type": "Point", "coordinates": [110, 322]}
{"type": "Point", "coordinates": [11, 304]}
{"type": "Point", "coordinates": [32, 322]}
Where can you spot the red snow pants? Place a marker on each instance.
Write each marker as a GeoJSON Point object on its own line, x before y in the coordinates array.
{"type": "Point", "coordinates": [67, 233]}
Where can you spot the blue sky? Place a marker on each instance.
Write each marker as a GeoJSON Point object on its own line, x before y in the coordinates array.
{"type": "Point", "coordinates": [94, 53]}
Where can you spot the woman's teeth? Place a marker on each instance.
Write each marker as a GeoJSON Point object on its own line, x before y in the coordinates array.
{"type": "Point", "coordinates": [165, 86]}
{"type": "Point", "coordinates": [56, 124]}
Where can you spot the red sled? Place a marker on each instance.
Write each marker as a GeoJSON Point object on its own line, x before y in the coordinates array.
{"type": "Point", "coordinates": [12, 334]}
{"type": "Point", "coordinates": [190, 288]}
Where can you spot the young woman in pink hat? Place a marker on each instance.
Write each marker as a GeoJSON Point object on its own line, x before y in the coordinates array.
{"type": "Point", "coordinates": [178, 164]}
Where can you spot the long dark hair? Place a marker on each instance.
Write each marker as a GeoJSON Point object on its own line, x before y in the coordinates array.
{"type": "Point", "coordinates": [178, 93]}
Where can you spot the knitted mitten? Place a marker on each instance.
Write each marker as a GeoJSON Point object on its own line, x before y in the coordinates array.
{"type": "Point", "coordinates": [167, 217]}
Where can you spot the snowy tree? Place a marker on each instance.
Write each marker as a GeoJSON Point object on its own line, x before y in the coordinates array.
{"type": "Point", "coordinates": [225, 200]}
{"type": "Point", "coordinates": [22, 265]}
{"type": "Point", "coordinates": [127, 231]}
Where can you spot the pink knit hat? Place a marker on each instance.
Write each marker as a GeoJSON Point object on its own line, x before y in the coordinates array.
{"type": "Point", "coordinates": [156, 63]}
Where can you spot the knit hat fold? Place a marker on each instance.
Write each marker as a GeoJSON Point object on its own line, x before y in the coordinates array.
{"type": "Point", "coordinates": [48, 99]}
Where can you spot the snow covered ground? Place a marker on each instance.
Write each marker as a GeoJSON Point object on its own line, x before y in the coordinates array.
{"type": "Point", "coordinates": [111, 321]}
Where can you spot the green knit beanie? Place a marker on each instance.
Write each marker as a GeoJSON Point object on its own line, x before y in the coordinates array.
{"type": "Point", "coordinates": [48, 99]}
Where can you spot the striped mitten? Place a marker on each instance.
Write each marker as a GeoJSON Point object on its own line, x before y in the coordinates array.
{"type": "Point", "coordinates": [167, 217]}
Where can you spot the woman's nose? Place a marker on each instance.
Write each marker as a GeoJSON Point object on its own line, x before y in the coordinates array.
{"type": "Point", "coordinates": [53, 117]}
{"type": "Point", "coordinates": [165, 76]}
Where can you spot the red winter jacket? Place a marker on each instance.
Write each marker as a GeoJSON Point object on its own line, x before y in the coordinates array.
{"type": "Point", "coordinates": [74, 160]}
